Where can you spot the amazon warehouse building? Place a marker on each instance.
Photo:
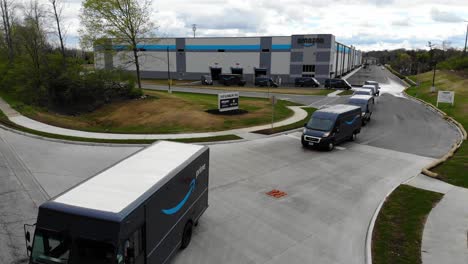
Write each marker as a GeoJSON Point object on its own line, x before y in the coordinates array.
{"type": "Point", "coordinates": [285, 58]}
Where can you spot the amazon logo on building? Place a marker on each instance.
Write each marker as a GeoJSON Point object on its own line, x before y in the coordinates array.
{"type": "Point", "coordinates": [308, 42]}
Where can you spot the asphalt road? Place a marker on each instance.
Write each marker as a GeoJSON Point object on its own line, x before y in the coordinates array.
{"type": "Point", "coordinates": [323, 219]}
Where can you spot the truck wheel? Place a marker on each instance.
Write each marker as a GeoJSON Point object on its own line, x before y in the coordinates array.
{"type": "Point", "coordinates": [187, 234]}
{"type": "Point", "coordinates": [304, 144]}
{"type": "Point", "coordinates": [331, 146]}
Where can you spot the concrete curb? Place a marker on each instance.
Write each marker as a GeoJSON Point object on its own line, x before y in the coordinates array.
{"type": "Point", "coordinates": [370, 228]}
{"type": "Point", "coordinates": [463, 136]}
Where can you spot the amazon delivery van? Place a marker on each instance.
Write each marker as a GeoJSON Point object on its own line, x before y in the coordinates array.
{"type": "Point", "coordinates": [332, 125]}
{"type": "Point", "coordinates": [140, 210]}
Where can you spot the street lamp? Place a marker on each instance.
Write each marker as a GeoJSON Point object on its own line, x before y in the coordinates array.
{"type": "Point", "coordinates": [466, 37]}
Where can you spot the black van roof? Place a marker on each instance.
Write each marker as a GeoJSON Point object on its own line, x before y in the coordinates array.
{"type": "Point", "coordinates": [335, 110]}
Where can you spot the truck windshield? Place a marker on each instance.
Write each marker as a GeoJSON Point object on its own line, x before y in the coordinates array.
{"type": "Point", "coordinates": [320, 124]}
{"type": "Point", "coordinates": [94, 252]}
{"type": "Point", "coordinates": [50, 248]}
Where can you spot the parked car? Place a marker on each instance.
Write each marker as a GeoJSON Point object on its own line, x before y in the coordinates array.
{"type": "Point", "coordinates": [337, 83]}
{"type": "Point", "coordinates": [231, 79]}
{"type": "Point", "coordinates": [374, 89]}
{"type": "Point", "coordinates": [360, 91]}
{"type": "Point", "coordinates": [366, 102]}
{"type": "Point", "coordinates": [306, 82]}
{"type": "Point", "coordinates": [206, 80]}
{"type": "Point", "coordinates": [265, 81]}
{"type": "Point", "coordinates": [332, 125]}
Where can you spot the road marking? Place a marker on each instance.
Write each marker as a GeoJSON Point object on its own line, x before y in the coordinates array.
{"type": "Point", "coordinates": [295, 137]}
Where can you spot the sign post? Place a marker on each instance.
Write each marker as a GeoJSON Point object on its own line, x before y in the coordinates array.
{"type": "Point", "coordinates": [445, 97]}
{"type": "Point", "coordinates": [228, 101]}
{"type": "Point", "coordinates": [273, 101]}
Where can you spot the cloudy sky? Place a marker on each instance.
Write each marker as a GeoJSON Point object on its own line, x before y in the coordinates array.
{"type": "Point", "coordinates": [367, 24]}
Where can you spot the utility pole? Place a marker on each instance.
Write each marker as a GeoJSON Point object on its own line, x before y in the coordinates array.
{"type": "Point", "coordinates": [194, 29]}
{"type": "Point", "coordinates": [466, 38]}
{"type": "Point", "coordinates": [168, 72]}
{"type": "Point", "coordinates": [430, 45]}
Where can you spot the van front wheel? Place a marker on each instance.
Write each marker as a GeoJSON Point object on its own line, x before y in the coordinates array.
{"type": "Point", "coordinates": [187, 235]}
{"type": "Point", "coordinates": [331, 146]}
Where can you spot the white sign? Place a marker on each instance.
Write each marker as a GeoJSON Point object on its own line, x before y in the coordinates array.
{"type": "Point", "coordinates": [228, 101]}
{"type": "Point", "coordinates": [445, 97]}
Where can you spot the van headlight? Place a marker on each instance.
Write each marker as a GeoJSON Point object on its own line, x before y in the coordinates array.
{"type": "Point", "coordinates": [326, 134]}
{"type": "Point", "coordinates": [304, 131]}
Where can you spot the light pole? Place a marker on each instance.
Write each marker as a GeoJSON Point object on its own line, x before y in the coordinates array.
{"type": "Point", "coordinates": [466, 37]}
{"type": "Point", "coordinates": [194, 28]}
{"type": "Point", "coordinates": [435, 65]}
{"type": "Point", "coordinates": [168, 71]}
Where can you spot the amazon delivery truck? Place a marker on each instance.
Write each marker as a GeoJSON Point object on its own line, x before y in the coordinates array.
{"type": "Point", "coordinates": [140, 210]}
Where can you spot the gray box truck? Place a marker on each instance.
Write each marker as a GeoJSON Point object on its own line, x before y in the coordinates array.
{"type": "Point", "coordinates": [140, 210]}
{"type": "Point", "coordinates": [332, 125]}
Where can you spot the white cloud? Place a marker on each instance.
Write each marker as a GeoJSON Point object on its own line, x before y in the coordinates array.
{"type": "Point", "coordinates": [443, 16]}
{"type": "Point", "coordinates": [367, 24]}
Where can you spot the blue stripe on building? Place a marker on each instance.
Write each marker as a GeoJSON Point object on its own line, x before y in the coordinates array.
{"type": "Point", "coordinates": [281, 46]}
{"type": "Point", "coordinates": [223, 47]}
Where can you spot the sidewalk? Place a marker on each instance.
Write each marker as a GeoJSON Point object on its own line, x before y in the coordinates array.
{"type": "Point", "coordinates": [21, 120]}
{"type": "Point", "coordinates": [445, 236]}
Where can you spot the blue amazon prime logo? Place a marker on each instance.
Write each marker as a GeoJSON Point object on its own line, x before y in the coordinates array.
{"type": "Point", "coordinates": [181, 204]}
{"type": "Point", "coordinates": [352, 121]}
{"type": "Point", "coordinates": [192, 185]}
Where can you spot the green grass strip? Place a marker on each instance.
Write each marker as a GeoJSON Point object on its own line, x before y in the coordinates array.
{"type": "Point", "coordinates": [399, 227]}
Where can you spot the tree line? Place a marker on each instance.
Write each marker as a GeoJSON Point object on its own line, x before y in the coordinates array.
{"type": "Point", "coordinates": [411, 62]}
{"type": "Point", "coordinates": [37, 68]}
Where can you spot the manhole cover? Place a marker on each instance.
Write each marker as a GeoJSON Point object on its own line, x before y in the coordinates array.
{"type": "Point", "coordinates": [276, 193]}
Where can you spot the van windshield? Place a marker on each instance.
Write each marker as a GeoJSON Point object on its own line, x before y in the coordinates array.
{"type": "Point", "coordinates": [50, 248]}
{"type": "Point", "coordinates": [320, 124]}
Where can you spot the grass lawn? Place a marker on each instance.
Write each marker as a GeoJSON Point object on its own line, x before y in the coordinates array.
{"type": "Point", "coordinates": [4, 121]}
{"type": "Point", "coordinates": [454, 170]}
{"type": "Point", "coordinates": [301, 91]}
{"type": "Point", "coordinates": [399, 227]}
{"type": "Point", "coordinates": [164, 81]}
{"type": "Point", "coordinates": [347, 92]}
{"type": "Point", "coordinates": [163, 113]}
{"type": "Point", "coordinates": [298, 124]}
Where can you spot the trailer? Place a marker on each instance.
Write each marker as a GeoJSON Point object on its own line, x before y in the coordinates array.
{"type": "Point", "coordinates": [140, 210]}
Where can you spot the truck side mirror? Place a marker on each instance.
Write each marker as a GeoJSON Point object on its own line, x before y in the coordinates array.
{"type": "Point", "coordinates": [28, 236]}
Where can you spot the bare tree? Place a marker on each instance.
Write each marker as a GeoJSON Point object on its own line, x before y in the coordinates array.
{"type": "Point", "coordinates": [126, 21]}
{"type": "Point", "coordinates": [6, 8]}
{"type": "Point", "coordinates": [57, 6]}
{"type": "Point", "coordinates": [32, 38]}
